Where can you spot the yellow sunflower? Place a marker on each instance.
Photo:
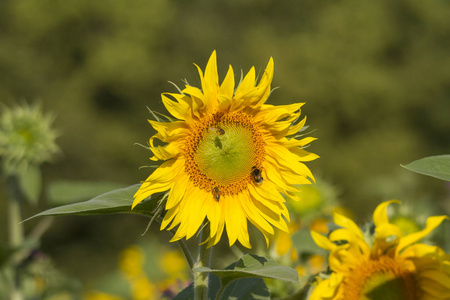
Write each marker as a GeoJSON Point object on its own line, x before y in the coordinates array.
{"type": "Point", "coordinates": [393, 267]}
{"type": "Point", "coordinates": [227, 157]}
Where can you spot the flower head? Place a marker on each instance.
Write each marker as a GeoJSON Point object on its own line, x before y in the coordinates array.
{"type": "Point", "coordinates": [26, 136]}
{"type": "Point", "coordinates": [388, 266]}
{"type": "Point", "coordinates": [227, 157]}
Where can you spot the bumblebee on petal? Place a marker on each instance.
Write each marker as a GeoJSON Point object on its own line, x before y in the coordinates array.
{"type": "Point", "coordinates": [256, 174]}
{"type": "Point", "coordinates": [216, 193]}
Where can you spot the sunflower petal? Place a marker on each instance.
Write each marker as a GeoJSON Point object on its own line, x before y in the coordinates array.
{"type": "Point", "coordinates": [432, 223]}
{"type": "Point", "coordinates": [380, 216]}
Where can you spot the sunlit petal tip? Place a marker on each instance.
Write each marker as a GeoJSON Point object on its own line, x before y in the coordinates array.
{"type": "Point", "coordinates": [345, 222]}
{"type": "Point", "coordinates": [322, 241]}
{"type": "Point", "coordinates": [380, 214]}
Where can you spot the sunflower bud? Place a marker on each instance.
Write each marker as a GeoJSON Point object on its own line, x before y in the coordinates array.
{"type": "Point", "coordinates": [26, 137]}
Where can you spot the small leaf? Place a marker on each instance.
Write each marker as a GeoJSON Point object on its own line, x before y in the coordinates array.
{"type": "Point", "coordinates": [30, 180]}
{"type": "Point", "coordinates": [251, 265]}
{"type": "Point", "coordinates": [117, 201]}
{"type": "Point", "coordinates": [434, 166]}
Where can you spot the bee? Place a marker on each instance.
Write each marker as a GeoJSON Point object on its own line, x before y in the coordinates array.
{"type": "Point", "coordinates": [256, 174]}
{"type": "Point", "coordinates": [216, 193]}
{"type": "Point", "coordinates": [218, 130]}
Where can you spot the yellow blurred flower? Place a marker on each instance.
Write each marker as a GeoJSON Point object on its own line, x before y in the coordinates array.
{"type": "Point", "coordinates": [174, 264]}
{"type": "Point", "coordinates": [319, 225]}
{"type": "Point", "coordinates": [311, 200]}
{"type": "Point", "coordinates": [94, 295]}
{"type": "Point", "coordinates": [283, 241]}
{"type": "Point", "coordinates": [143, 289]}
{"type": "Point", "coordinates": [393, 266]}
{"type": "Point", "coordinates": [316, 263]}
{"type": "Point", "coordinates": [131, 261]}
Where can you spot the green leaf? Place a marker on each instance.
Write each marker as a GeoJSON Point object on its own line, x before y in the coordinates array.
{"type": "Point", "coordinates": [434, 166]}
{"type": "Point", "coordinates": [65, 192]}
{"type": "Point", "coordinates": [117, 201]}
{"type": "Point", "coordinates": [30, 180]}
{"type": "Point", "coordinates": [304, 243]}
{"type": "Point", "coordinates": [213, 289]}
{"type": "Point", "coordinates": [246, 289]}
{"type": "Point", "coordinates": [251, 265]}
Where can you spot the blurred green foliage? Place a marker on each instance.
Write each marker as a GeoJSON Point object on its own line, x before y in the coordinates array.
{"type": "Point", "coordinates": [375, 77]}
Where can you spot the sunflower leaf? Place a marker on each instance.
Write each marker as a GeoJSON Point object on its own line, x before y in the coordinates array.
{"type": "Point", "coordinates": [434, 166]}
{"type": "Point", "coordinates": [117, 201]}
{"type": "Point", "coordinates": [244, 288]}
{"type": "Point", "coordinates": [251, 265]}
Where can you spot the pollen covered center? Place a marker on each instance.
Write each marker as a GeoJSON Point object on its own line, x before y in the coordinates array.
{"type": "Point", "coordinates": [222, 152]}
{"type": "Point", "coordinates": [383, 278]}
{"type": "Point", "coordinates": [226, 154]}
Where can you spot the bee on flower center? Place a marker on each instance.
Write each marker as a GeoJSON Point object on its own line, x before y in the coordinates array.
{"type": "Point", "coordinates": [218, 130]}
{"type": "Point", "coordinates": [216, 193]}
{"type": "Point", "coordinates": [256, 174]}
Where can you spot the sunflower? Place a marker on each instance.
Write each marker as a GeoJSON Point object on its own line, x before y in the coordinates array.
{"type": "Point", "coordinates": [391, 266]}
{"type": "Point", "coordinates": [26, 137]}
{"type": "Point", "coordinates": [227, 157]}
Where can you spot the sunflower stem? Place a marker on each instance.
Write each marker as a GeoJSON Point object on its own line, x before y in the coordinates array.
{"type": "Point", "coordinates": [201, 279]}
{"type": "Point", "coordinates": [15, 228]}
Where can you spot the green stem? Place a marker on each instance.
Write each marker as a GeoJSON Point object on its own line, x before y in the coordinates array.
{"type": "Point", "coordinates": [14, 212]}
{"type": "Point", "coordinates": [203, 260]}
{"type": "Point", "coordinates": [15, 228]}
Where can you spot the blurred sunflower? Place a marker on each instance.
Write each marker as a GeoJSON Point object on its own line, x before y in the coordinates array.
{"type": "Point", "coordinates": [227, 157]}
{"type": "Point", "coordinates": [26, 136]}
{"type": "Point", "coordinates": [393, 267]}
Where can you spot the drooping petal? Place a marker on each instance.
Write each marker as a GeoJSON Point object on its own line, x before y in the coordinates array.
{"type": "Point", "coordinates": [432, 223]}
{"type": "Point", "coordinates": [380, 216]}
{"type": "Point", "coordinates": [161, 180]}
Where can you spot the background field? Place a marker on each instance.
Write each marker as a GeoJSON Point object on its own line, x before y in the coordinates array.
{"type": "Point", "coordinates": [375, 77]}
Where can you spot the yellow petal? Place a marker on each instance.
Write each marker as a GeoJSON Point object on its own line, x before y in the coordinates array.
{"type": "Point", "coordinates": [247, 84]}
{"type": "Point", "coordinates": [234, 217]}
{"type": "Point", "coordinates": [178, 191]}
{"type": "Point", "coordinates": [168, 217]}
{"type": "Point", "coordinates": [160, 180]}
{"type": "Point", "coordinates": [380, 214]}
{"type": "Point", "coordinates": [253, 213]}
{"type": "Point", "coordinates": [227, 87]}
{"type": "Point", "coordinates": [327, 289]}
{"type": "Point", "coordinates": [179, 110]}
{"type": "Point", "coordinates": [347, 223]}
{"type": "Point", "coordinates": [432, 223]}
{"type": "Point", "coordinates": [322, 241]}
{"type": "Point", "coordinates": [243, 235]}
{"type": "Point", "coordinates": [210, 85]}
{"type": "Point", "coordinates": [264, 84]}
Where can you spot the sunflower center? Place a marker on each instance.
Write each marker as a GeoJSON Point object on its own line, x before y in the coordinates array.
{"type": "Point", "coordinates": [384, 278]}
{"type": "Point", "coordinates": [222, 152]}
{"type": "Point", "coordinates": [226, 157]}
